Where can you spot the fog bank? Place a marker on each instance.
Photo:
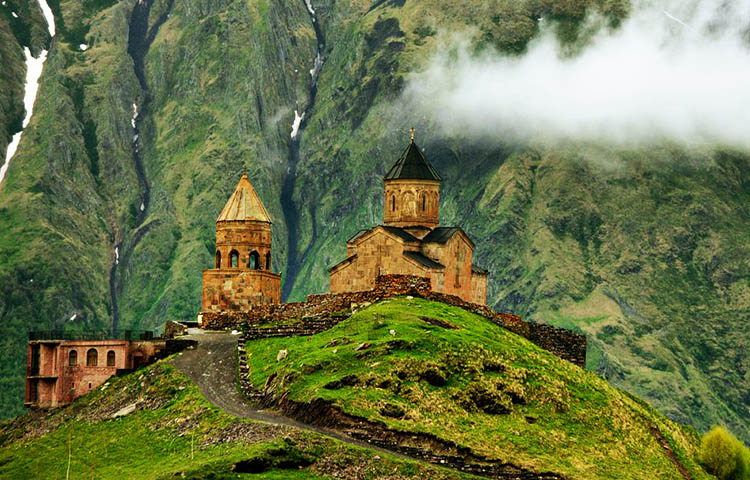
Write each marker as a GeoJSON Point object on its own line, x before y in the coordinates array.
{"type": "Point", "coordinates": [674, 70]}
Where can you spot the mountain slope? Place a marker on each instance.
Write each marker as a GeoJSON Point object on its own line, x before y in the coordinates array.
{"type": "Point", "coordinates": [431, 374]}
{"type": "Point", "coordinates": [643, 248]}
{"type": "Point", "coordinates": [173, 432]}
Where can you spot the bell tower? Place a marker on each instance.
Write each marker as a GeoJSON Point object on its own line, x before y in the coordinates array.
{"type": "Point", "coordinates": [243, 231]}
{"type": "Point", "coordinates": [242, 273]}
{"type": "Point", "coordinates": [412, 192]}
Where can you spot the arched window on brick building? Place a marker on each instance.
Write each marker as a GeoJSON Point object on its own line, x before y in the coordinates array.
{"type": "Point", "coordinates": [253, 261]}
{"type": "Point", "coordinates": [111, 358]}
{"type": "Point", "coordinates": [73, 358]}
{"type": "Point", "coordinates": [92, 358]}
{"type": "Point", "coordinates": [268, 261]}
{"type": "Point", "coordinates": [393, 203]}
{"type": "Point", "coordinates": [218, 259]}
{"type": "Point", "coordinates": [424, 202]}
{"type": "Point", "coordinates": [234, 259]}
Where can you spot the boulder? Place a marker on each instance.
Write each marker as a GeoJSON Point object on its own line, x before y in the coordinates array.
{"type": "Point", "coordinates": [125, 411]}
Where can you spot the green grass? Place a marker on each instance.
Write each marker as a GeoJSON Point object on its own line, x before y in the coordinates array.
{"type": "Point", "coordinates": [176, 433]}
{"type": "Point", "coordinates": [556, 417]}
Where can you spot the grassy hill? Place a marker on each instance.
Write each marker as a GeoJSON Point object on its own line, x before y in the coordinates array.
{"type": "Point", "coordinates": [423, 367]}
{"type": "Point", "coordinates": [414, 368]}
{"type": "Point", "coordinates": [175, 433]}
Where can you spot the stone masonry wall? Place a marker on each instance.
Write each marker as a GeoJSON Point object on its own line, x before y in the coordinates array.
{"type": "Point", "coordinates": [238, 289]}
{"type": "Point", "coordinates": [563, 343]}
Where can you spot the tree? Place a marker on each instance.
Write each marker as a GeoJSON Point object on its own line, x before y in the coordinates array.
{"type": "Point", "coordinates": [725, 456]}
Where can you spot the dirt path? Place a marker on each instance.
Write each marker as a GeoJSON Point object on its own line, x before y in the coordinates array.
{"type": "Point", "coordinates": [212, 366]}
{"type": "Point", "coordinates": [668, 450]}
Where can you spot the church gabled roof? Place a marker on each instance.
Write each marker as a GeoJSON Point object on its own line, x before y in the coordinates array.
{"type": "Point", "coordinates": [440, 234]}
{"type": "Point", "coordinates": [443, 234]}
{"type": "Point", "coordinates": [424, 261]}
{"type": "Point", "coordinates": [412, 165]}
{"type": "Point", "coordinates": [400, 232]}
{"type": "Point", "coordinates": [244, 204]}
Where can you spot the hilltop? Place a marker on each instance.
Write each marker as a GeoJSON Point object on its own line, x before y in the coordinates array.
{"type": "Point", "coordinates": [424, 380]}
{"type": "Point", "coordinates": [433, 378]}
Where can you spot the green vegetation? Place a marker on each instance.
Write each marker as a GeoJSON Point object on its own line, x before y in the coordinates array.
{"type": "Point", "coordinates": [477, 385]}
{"type": "Point", "coordinates": [174, 433]}
{"type": "Point", "coordinates": [725, 456]}
{"type": "Point", "coordinates": [643, 249]}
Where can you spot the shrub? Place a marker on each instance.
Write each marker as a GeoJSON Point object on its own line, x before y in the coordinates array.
{"type": "Point", "coordinates": [725, 456]}
{"type": "Point", "coordinates": [484, 396]}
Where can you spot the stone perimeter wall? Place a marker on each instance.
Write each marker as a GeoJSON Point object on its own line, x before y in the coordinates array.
{"type": "Point", "coordinates": [563, 343]}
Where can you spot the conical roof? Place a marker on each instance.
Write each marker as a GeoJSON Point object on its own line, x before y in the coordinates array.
{"type": "Point", "coordinates": [244, 204]}
{"type": "Point", "coordinates": [412, 165]}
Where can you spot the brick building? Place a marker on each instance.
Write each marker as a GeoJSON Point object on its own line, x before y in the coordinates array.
{"type": "Point", "coordinates": [59, 371]}
{"type": "Point", "coordinates": [242, 273]}
{"type": "Point", "coordinates": [411, 240]}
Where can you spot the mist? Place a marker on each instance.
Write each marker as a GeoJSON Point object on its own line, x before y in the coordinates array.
{"type": "Point", "coordinates": [677, 71]}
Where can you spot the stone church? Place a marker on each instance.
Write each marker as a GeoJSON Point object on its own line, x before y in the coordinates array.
{"type": "Point", "coordinates": [411, 240]}
{"type": "Point", "coordinates": [242, 274]}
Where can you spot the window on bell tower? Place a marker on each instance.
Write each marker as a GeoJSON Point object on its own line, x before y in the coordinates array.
{"type": "Point", "coordinates": [254, 261]}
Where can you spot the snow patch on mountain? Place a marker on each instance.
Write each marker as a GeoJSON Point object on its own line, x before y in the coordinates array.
{"type": "Point", "coordinates": [34, 67]}
{"type": "Point", "coordinates": [297, 122]}
{"type": "Point", "coordinates": [310, 8]}
{"type": "Point", "coordinates": [33, 72]}
{"type": "Point", "coordinates": [48, 16]}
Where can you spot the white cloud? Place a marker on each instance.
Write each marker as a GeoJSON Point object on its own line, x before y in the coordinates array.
{"type": "Point", "coordinates": [675, 70]}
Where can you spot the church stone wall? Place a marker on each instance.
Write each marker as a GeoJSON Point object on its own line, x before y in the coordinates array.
{"type": "Point", "coordinates": [377, 254]}
{"type": "Point", "coordinates": [478, 289]}
{"type": "Point", "coordinates": [456, 255]}
{"type": "Point", "coordinates": [239, 290]}
{"type": "Point", "coordinates": [563, 343]}
{"type": "Point", "coordinates": [412, 202]}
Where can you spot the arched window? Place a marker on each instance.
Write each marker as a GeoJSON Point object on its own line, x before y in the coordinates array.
{"type": "Point", "coordinates": [393, 203]}
{"type": "Point", "coordinates": [92, 358]}
{"type": "Point", "coordinates": [424, 202]}
{"type": "Point", "coordinates": [111, 358]}
{"type": "Point", "coordinates": [268, 261]}
{"type": "Point", "coordinates": [218, 259]}
{"type": "Point", "coordinates": [254, 261]}
{"type": "Point", "coordinates": [409, 203]}
{"type": "Point", "coordinates": [73, 358]}
{"type": "Point", "coordinates": [234, 259]}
